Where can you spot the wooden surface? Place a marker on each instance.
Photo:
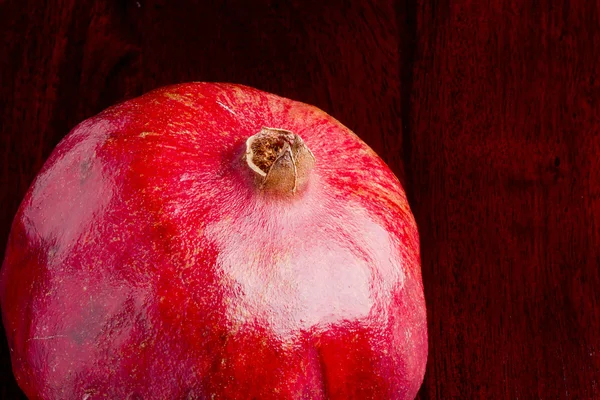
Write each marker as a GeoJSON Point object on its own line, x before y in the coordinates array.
{"type": "Point", "coordinates": [487, 111]}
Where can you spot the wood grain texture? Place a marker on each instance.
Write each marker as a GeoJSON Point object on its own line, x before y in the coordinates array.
{"type": "Point", "coordinates": [504, 182]}
{"type": "Point", "coordinates": [488, 111]}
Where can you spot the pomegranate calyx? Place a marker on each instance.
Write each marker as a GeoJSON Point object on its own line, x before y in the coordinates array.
{"type": "Point", "coordinates": [280, 160]}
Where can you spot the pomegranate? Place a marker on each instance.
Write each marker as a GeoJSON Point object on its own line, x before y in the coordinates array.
{"type": "Point", "coordinates": [212, 241]}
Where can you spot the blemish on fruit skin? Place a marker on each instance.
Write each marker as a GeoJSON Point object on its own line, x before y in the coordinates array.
{"type": "Point", "coordinates": [226, 108]}
{"type": "Point", "coordinates": [182, 99]}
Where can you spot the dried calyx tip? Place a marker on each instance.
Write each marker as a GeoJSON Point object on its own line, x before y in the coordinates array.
{"type": "Point", "coordinates": [280, 160]}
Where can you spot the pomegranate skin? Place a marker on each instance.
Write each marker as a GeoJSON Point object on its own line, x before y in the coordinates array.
{"type": "Point", "coordinates": [144, 262]}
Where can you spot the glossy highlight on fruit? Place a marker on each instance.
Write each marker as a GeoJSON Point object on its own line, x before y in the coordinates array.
{"type": "Point", "coordinates": [213, 241]}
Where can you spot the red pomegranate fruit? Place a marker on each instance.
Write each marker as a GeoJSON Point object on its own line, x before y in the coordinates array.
{"type": "Point", "coordinates": [213, 241]}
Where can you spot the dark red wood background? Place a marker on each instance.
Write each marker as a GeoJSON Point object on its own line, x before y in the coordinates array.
{"type": "Point", "coordinates": [489, 111]}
